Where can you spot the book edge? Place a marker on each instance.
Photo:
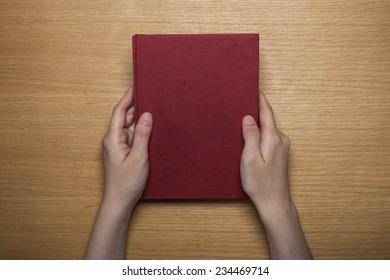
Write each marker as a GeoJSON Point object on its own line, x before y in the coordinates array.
{"type": "Point", "coordinates": [135, 78]}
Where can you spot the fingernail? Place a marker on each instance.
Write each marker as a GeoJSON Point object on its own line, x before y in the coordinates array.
{"type": "Point", "coordinates": [248, 120]}
{"type": "Point", "coordinates": [146, 118]}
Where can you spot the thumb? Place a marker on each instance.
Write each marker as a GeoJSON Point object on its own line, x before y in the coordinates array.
{"type": "Point", "coordinates": [143, 129]}
{"type": "Point", "coordinates": [251, 134]}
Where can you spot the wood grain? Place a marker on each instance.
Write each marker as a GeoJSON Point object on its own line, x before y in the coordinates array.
{"type": "Point", "coordinates": [325, 67]}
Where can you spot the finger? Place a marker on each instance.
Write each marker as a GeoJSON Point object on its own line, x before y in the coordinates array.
{"type": "Point", "coordinates": [129, 117]}
{"type": "Point", "coordinates": [130, 137]}
{"type": "Point", "coordinates": [131, 130]}
{"type": "Point", "coordinates": [118, 118]}
{"type": "Point", "coordinates": [266, 115]}
{"type": "Point", "coordinates": [251, 135]}
{"type": "Point", "coordinates": [250, 131]}
{"type": "Point", "coordinates": [143, 129]}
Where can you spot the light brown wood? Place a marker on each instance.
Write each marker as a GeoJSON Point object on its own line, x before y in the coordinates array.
{"type": "Point", "coordinates": [325, 67]}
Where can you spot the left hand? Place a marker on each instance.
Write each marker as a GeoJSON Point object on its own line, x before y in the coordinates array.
{"type": "Point", "coordinates": [126, 169]}
{"type": "Point", "coordinates": [126, 164]}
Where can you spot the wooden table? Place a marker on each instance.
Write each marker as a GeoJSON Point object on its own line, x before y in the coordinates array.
{"type": "Point", "coordinates": [325, 67]}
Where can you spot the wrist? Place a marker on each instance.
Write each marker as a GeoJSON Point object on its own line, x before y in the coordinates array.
{"type": "Point", "coordinates": [274, 211]}
{"type": "Point", "coordinates": [284, 233]}
{"type": "Point", "coordinates": [118, 201]}
{"type": "Point", "coordinates": [115, 210]}
{"type": "Point", "coordinates": [109, 233]}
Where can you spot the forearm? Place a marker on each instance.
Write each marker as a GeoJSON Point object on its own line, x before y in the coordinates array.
{"type": "Point", "coordinates": [108, 238]}
{"type": "Point", "coordinates": [283, 229]}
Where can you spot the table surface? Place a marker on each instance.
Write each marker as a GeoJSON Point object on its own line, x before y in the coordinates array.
{"type": "Point", "coordinates": [324, 65]}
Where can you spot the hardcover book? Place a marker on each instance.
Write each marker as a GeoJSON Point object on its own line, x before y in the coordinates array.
{"type": "Point", "coordinates": [198, 89]}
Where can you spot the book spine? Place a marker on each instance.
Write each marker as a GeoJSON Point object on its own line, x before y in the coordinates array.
{"type": "Point", "coordinates": [135, 78]}
{"type": "Point", "coordinates": [258, 80]}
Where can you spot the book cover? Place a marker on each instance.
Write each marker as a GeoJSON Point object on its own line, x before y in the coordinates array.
{"type": "Point", "coordinates": [198, 89]}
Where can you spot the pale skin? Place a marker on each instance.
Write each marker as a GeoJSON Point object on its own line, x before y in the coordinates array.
{"type": "Point", "coordinates": [264, 176]}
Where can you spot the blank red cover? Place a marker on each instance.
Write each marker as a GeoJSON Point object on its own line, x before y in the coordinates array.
{"type": "Point", "coordinates": [198, 88]}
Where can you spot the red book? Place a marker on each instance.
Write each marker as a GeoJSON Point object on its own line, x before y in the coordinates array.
{"type": "Point", "coordinates": [198, 89]}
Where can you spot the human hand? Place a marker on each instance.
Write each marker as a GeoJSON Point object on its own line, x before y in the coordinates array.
{"type": "Point", "coordinates": [126, 169]}
{"type": "Point", "coordinates": [264, 176]}
{"type": "Point", "coordinates": [264, 161]}
{"type": "Point", "coordinates": [125, 146]}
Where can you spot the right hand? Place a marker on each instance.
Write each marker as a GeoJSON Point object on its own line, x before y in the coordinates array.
{"type": "Point", "coordinates": [264, 161]}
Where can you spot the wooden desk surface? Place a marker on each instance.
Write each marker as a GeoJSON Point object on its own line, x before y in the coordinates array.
{"type": "Point", "coordinates": [325, 67]}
